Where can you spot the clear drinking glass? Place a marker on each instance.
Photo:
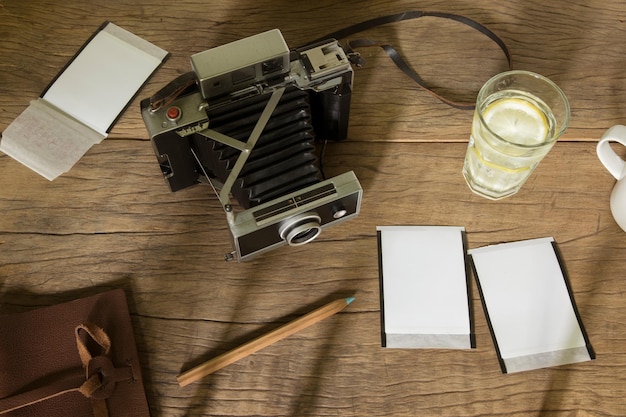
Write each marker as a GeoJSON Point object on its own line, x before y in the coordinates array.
{"type": "Point", "coordinates": [519, 116]}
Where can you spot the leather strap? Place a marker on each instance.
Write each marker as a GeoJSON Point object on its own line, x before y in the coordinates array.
{"type": "Point", "coordinates": [396, 57]}
{"type": "Point", "coordinates": [172, 90]}
{"type": "Point", "coordinates": [167, 94]}
{"type": "Point", "coordinates": [70, 383]}
{"type": "Point", "coordinates": [95, 380]}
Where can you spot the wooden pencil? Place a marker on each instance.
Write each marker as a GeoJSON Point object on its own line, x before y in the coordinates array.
{"type": "Point", "coordinates": [262, 341]}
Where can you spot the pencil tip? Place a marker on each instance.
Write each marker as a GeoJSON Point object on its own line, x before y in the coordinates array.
{"type": "Point", "coordinates": [349, 300]}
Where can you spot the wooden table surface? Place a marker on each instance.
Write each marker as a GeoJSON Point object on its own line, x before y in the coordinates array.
{"type": "Point", "coordinates": [112, 222]}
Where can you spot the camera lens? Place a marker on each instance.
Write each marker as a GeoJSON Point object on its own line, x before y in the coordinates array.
{"type": "Point", "coordinates": [305, 236]}
{"type": "Point", "coordinates": [301, 229]}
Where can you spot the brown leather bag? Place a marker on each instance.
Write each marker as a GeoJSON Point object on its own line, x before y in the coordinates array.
{"type": "Point", "coordinates": [73, 359]}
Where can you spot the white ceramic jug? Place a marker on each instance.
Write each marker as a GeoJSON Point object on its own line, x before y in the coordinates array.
{"type": "Point", "coordinates": [617, 167]}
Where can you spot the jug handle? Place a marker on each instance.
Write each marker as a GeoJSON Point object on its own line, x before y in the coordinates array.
{"type": "Point", "coordinates": [611, 161]}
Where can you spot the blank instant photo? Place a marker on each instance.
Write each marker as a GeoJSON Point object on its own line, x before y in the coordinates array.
{"type": "Point", "coordinates": [424, 287]}
{"type": "Point", "coordinates": [81, 105]}
{"type": "Point", "coordinates": [529, 305]}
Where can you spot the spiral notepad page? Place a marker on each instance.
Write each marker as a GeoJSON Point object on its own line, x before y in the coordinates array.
{"type": "Point", "coordinates": [424, 292]}
{"type": "Point", "coordinates": [529, 305]}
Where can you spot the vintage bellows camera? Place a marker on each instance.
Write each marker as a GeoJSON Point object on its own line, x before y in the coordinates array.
{"type": "Point", "coordinates": [245, 121]}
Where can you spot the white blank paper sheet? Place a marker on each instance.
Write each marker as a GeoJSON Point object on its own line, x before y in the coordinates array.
{"type": "Point", "coordinates": [424, 293]}
{"type": "Point", "coordinates": [529, 306]}
{"type": "Point", "coordinates": [80, 106]}
{"type": "Point", "coordinates": [103, 78]}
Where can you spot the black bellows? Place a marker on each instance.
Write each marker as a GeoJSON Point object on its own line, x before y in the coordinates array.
{"type": "Point", "coordinates": [283, 159]}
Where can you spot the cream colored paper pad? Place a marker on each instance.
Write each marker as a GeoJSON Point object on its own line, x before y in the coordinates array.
{"type": "Point", "coordinates": [81, 105]}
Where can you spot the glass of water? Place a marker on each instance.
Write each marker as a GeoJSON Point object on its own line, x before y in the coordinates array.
{"type": "Point", "coordinates": [519, 116]}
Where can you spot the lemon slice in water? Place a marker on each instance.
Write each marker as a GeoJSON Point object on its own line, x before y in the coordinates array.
{"type": "Point", "coordinates": [517, 120]}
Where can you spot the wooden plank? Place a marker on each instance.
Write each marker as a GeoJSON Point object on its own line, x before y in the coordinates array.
{"type": "Point", "coordinates": [69, 238]}
{"type": "Point", "coordinates": [112, 222]}
{"type": "Point", "coordinates": [577, 45]}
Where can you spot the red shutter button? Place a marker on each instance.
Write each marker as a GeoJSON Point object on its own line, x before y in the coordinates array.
{"type": "Point", "coordinates": [173, 113]}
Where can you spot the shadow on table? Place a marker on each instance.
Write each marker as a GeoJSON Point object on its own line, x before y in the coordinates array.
{"type": "Point", "coordinates": [308, 392]}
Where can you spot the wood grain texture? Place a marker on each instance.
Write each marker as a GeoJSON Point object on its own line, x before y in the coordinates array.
{"type": "Point", "coordinates": [111, 221]}
{"type": "Point", "coordinates": [267, 339]}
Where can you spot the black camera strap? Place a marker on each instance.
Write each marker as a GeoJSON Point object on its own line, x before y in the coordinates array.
{"type": "Point", "coordinates": [357, 60]}
{"type": "Point", "coordinates": [167, 94]}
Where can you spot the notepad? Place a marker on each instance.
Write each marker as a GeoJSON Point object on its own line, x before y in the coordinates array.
{"type": "Point", "coordinates": [79, 108]}
{"type": "Point", "coordinates": [529, 305]}
{"type": "Point", "coordinates": [424, 287]}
